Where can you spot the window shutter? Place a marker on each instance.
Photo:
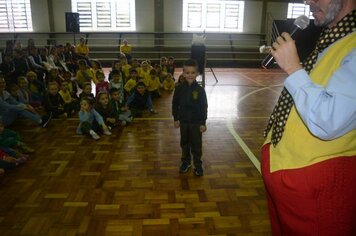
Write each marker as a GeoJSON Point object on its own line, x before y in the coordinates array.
{"type": "Point", "coordinates": [4, 22]}
{"type": "Point", "coordinates": [231, 16]}
{"type": "Point", "coordinates": [213, 15]}
{"type": "Point", "coordinates": [298, 9]}
{"type": "Point", "coordinates": [103, 14]}
{"type": "Point", "coordinates": [195, 15]}
{"type": "Point", "coordinates": [15, 16]}
{"type": "Point", "coordinates": [123, 14]}
{"type": "Point", "coordinates": [84, 8]}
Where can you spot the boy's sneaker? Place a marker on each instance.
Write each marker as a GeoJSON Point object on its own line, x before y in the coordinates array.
{"type": "Point", "coordinates": [198, 171]}
{"type": "Point", "coordinates": [123, 123]}
{"type": "Point", "coordinates": [94, 135]}
{"type": "Point", "coordinates": [153, 112]}
{"type": "Point", "coordinates": [184, 167]}
{"type": "Point", "coordinates": [46, 120]}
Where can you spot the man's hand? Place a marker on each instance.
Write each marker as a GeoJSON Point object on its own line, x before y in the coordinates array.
{"type": "Point", "coordinates": [285, 53]}
{"type": "Point", "coordinates": [176, 124]}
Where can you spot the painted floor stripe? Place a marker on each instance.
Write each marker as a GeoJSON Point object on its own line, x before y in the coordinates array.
{"type": "Point", "coordinates": [244, 147]}
{"type": "Point", "coordinates": [237, 137]}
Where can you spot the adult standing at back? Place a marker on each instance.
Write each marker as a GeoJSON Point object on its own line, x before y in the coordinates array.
{"type": "Point", "coordinates": [126, 49]}
{"type": "Point", "coordinates": [82, 50]}
{"type": "Point", "coordinates": [309, 157]}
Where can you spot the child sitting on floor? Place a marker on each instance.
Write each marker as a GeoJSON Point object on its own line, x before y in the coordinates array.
{"type": "Point", "coordinates": [71, 105]}
{"type": "Point", "coordinates": [11, 139]}
{"type": "Point", "coordinates": [90, 121]}
{"type": "Point", "coordinates": [10, 158]}
{"type": "Point", "coordinates": [119, 107]}
{"type": "Point", "coordinates": [52, 101]}
{"type": "Point", "coordinates": [168, 83]}
{"type": "Point", "coordinates": [105, 110]}
{"type": "Point", "coordinates": [117, 80]}
{"type": "Point", "coordinates": [86, 93]}
{"type": "Point", "coordinates": [72, 86]}
{"type": "Point", "coordinates": [154, 85]}
{"type": "Point", "coordinates": [36, 86]}
{"type": "Point", "coordinates": [23, 93]}
{"type": "Point", "coordinates": [84, 74]}
{"type": "Point", "coordinates": [101, 85]}
{"type": "Point", "coordinates": [131, 82]}
{"type": "Point", "coordinates": [140, 100]}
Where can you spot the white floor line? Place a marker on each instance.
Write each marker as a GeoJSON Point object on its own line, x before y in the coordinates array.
{"type": "Point", "coordinates": [237, 137]}
{"type": "Point", "coordinates": [244, 147]}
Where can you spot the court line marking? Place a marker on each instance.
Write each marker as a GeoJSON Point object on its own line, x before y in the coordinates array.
{"type": "Point", "coordinates": [244, 147]}
{"type": "Point", "coordinates": [268, 87]}
{"type": "Point", "coordinates": [237, 137]}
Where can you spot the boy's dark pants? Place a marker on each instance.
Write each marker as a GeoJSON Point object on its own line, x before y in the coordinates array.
{"type": "Point", "coordinates": [191, 142]}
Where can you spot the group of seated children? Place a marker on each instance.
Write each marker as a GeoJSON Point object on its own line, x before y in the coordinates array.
{"type": "Point", "coordinates": [60, 85]}
{"type": "Point", "coordinates": [127, 94]}
{"type": "Point", "coordinates": [128, 91]}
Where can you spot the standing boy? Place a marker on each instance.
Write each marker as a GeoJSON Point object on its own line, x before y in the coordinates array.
{"type": "Point", "coordinates": [189, 108]}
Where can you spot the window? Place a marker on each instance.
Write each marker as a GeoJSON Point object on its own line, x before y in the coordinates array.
{"type": "Point", "coordinates": [298, 9]}
{"type": "Point", "coordinates": [213, 15]}
{"type": "Point", "coordinates": [15, 16]}
{"type": "Point", "coordinates": [105, 15]}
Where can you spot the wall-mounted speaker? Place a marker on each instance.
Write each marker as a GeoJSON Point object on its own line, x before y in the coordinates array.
{"type": "Point", "coordinates": [72, 22]}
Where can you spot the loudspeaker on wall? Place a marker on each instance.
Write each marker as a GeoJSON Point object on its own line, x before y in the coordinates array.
{"type": "Point", "coordinates": [72, 22]}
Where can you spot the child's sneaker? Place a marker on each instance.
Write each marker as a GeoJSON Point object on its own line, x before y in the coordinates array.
{"type": "Point", "coordinates": [123, 122]}
{"type": "Point", "coordinates": [184, 167]}
{"type": "Point", "coordinates": [94, 135]}
{"type": "Point", "coordinates": [107, 132]}
{"type": "Point", "coordinates": [45, 120]}
{"type": "Point", "coordinates": [21, 160]}
{"type": "Point", "coordinates": [198, 171]}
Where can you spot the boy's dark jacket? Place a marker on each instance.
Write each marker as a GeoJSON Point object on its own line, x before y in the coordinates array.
{"type": "Point", "coordinates": [137, 100]}
{"type": "Point", "coordinates": [190, 104]}
{"type": "Point", "coordinates": [107, 112]}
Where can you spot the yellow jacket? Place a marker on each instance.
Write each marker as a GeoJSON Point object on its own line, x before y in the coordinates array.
{"type": "Point", "coordinates": [298, 147]}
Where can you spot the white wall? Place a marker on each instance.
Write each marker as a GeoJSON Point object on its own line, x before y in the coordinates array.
{"type": "Point", "coordinates": [252, 17]}
{"type": "Point", "coordinates": [145, 15]}
{"type": "Point", "coordinates": [59, 10]}
{"type": "Point", "coordinates": [278, 10]}
{"type": "Point", "coordinates": [40, 18]}
{"type": "Point", "coordinates": [145, 20]}
{"type": "Point", "coordinates": [173, 13]}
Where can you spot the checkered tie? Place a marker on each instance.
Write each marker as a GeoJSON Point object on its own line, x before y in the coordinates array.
{"type": "Point", "coordinates": [285, 102]}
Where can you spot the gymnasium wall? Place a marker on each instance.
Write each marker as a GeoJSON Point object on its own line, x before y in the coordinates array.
{"type": "Point", "coordinates": [46, 11]}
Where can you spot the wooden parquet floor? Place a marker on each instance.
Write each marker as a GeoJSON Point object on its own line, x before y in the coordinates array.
{"type": "Point", "coordinates": [128, 183]}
